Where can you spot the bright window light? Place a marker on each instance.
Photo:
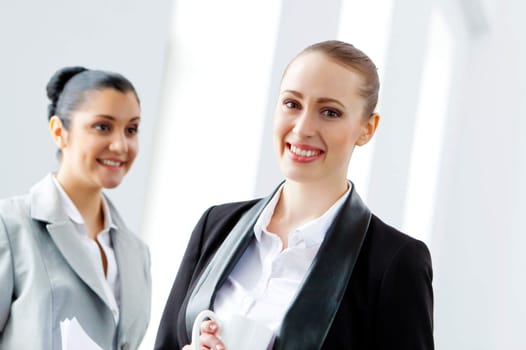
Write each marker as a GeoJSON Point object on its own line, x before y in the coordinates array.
{"type": "Point", "coordinates": [429, 129]}
{"type": "Point", "coordinates": [366, 24]}
{"type": "Point", "coordinates": [207, 145]}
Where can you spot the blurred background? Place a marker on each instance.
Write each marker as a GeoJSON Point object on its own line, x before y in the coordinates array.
{"type": "Point", "coordinates": [445, 165]}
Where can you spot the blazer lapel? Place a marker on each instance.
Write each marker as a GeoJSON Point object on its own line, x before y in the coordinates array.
{"type": "Point", "coordinates": [325, 283]}
{"type": "Point", "coordinates": [63, 233]}
{"type": "Point", "coordinates": [323, 287]}
{"type": "Point", "coordinates": [221, 264]}
{"type": "Point", "coordinates": [132, 297]}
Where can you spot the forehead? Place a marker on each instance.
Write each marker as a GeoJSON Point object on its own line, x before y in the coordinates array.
{"type": "Point", "coordinates": [316, 74]}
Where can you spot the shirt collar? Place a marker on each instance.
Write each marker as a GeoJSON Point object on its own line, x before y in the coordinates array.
{"type": "Point", "coordinates": [71, 210]}
{"type": "Point", "coordinates": [312, 232]}
{"type": "Point", "coordinates": [265, 216]}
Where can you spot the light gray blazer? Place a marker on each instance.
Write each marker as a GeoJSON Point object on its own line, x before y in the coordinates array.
{"type": "Point", "coordinates": [46, 277]}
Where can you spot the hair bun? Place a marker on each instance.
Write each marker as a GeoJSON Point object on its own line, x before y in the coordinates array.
{"type": "Point", "coordinates": [56, 85]}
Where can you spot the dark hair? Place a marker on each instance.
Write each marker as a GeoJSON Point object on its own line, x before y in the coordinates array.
{"type": "Point", "coordinates": [349, 56]}
{"type": "Point", "coordinates": [68, 87]}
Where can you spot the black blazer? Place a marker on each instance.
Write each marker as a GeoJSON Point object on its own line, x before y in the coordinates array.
{"type": "Point", "coordinates": [386, 304]}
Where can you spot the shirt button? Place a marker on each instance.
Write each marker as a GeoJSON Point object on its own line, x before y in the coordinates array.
{"type": "Point", "coordinates": [294, 239]}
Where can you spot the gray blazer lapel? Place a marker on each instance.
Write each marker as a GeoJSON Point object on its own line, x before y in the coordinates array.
{"type": "Point", "coordinates": [222, 263]}
{"type": "Point", "coordinates": [63, 233]}
{"type": "Point", "coordinates": [133, 260]}
{"type": "Point", "coordinates": [130, 266]}
{"type": "Point", "coordinates": [325, 283]}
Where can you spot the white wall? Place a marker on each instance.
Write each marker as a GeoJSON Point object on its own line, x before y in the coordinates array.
{"type": "Point", "coordinates": [477, 231]}
{"type": "Point", "coordinates": [39, 37]}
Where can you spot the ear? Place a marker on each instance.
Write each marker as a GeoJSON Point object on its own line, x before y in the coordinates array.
{"type": "Point", "coordinates": [369, 128]}
{"type": "Point", "coordinates": [58, 131]}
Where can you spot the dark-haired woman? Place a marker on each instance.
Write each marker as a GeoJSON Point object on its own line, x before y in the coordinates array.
{"type": "Point", "coordinates": [72, 275]}
{"type": "Point", "coordinates": [310, 261]}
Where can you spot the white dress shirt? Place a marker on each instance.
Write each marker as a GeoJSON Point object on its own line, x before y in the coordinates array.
{"type": "Point", "coordinates": [110, 282]}
{"type": "Point", "coordinates": [265, 280]}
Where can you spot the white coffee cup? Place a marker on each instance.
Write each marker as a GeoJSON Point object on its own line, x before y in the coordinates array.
{"type": "Point", "coordinates": [236, 333]}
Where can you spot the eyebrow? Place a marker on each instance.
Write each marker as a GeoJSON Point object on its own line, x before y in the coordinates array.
{"type": "Point", "coordinates": [319, 100]}
{"type": "Point", "coordinates": [112, 118]}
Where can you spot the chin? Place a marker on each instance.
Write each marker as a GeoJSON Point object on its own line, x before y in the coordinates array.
{"type": "Point", "coordinates": [112, 186]}
{"type": "Point", "coordinates": [111, 183]}
{"type": "Point", "coordinates": [297, 175]}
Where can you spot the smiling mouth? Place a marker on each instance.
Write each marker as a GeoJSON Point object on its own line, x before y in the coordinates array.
{"type": "Point", "coordinates": [307, 153]}
{"type": "Point", "coordinates": [111, 163]}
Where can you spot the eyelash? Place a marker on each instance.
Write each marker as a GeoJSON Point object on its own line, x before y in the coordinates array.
{"type": "Point", "coordinates": [331, 113]}
{"type": "Point", "coordinates": [106, 128]}
{"type": "Point", "coordinates": [102, 127]}
{"type": "Point", "coordinates": [132, 130]}
{"type": "Point", "coordinates": [287, 103]}
{"type": "Point", "coordinates": [328, 112]}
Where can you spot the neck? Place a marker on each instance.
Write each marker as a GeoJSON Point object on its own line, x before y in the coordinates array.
{"type": "Point", "coordinates": [302, 202]}
{"type": "Point", "coordinates": [88, 202]}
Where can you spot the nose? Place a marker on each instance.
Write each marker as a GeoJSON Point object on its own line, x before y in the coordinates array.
{"type": "Point", "coordinates": [305, 124]}
{"type": "Point", "coordinates": [119, 143]}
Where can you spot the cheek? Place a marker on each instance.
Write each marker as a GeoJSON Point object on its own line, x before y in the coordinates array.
{"type": "Point", "coordinates": [346, 144]}
{"type": "Point", "coordinates": [344, 141]}
{"type": "Point", "coordinates": [277, 129]}
{"type": "Point", "coordinates": [283, 124]}
{"type": "Point", "coordinates": [277, 138]}
{"type": "Point", "coordinates": [133, 148]}
{"type": "Point", "coordinates": [354, 132]}
{"type": "Point", "coordinates": [85, 149]}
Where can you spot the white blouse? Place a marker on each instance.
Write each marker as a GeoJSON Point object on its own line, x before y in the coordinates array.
{"type": "Point", "coordinates": [265, 280]}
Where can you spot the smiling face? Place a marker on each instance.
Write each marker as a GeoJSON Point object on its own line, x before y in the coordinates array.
{"type": "Point", "coordinates": [319, 118]}
{"type": "Point", "coordinates": [101, 142]}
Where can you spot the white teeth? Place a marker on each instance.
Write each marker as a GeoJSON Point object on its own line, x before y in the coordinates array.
{"type": "Point", "coordinates": [110, 162]}
{"type": "Point", "coordinates": [302, 152]}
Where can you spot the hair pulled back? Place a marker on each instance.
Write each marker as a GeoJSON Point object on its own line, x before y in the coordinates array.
{"type": "Point", "coordinates": [349, 56]}
{"type": "Point", "coordinates": [68, 88]}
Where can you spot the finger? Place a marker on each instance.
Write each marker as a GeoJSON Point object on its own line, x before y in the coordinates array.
{"type": "Point", "coordinates": [211, 341]}
{"type": "Point", "coordinates": [209, 327]}
{"type": "Point", "coordinates": [190, 347]}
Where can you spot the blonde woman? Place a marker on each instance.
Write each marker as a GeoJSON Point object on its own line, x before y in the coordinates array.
{"type": "Point", "coordinates": [310, 261]}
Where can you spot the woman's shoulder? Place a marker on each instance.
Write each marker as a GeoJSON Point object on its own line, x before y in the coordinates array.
{"type": "Point", "coordinates": [33, 204]}
{"type": "Point", "coordinates": [14, 207]}
{"type": "Point", "coordinates": [231, 208]}
{"type": "Point", "coordinates": [386, 243]}
{"type": "Point", "coordinates": [15, 221]}
{"type": "Point", "coordinates": [217, 221]}
{"type": "Point", "coordinates": [389, 233]}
